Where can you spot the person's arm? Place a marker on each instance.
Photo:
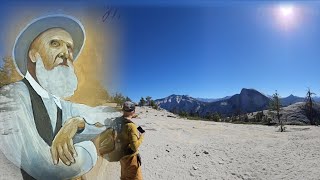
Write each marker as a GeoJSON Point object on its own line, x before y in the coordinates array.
{"type": "Point", "coordinates": [97, 119]}
{"type": "Point", "coordinates": [101, 114]}
{"type": "Point", "coordinates": [62, 146]}
{"type": "Point", "coordinates": [24, 147]}
{"type": "Point", "coordinates": [89, 123]}
{"type": "Point", "coordinates": [134, 138]}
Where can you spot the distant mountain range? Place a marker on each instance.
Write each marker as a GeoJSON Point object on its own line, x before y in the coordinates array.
{"type": "Point", "coordinates": [212, 99]}
{"type": "Point", "coordinates": [316, 99]}
{"type": "Point", "coordinates": [247, 101]}
{"type": "Point", "coordinates": [180, 103]}
{"type": "Point", "coordinates": [291, 100]}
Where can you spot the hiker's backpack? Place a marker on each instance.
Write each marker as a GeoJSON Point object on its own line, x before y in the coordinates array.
{"type": "Point", "coordinates": [112, 146]}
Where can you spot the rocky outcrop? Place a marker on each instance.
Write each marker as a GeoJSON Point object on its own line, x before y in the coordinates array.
{"type": "Point", "coordinates": [249, 100]}
{"type": "Point", "coordinates": [295, 114]}
{"type": "Point", "coordinates": [180, 103]}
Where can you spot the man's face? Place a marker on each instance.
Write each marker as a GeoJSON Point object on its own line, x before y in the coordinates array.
{"type": "Point", "coordinates": [51, 55]}
{"type": "Point", "coordinates": [55, 46]}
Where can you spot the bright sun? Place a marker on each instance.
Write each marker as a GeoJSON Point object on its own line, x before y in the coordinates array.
{"type": "Point", "coordinates": [286, 16]}
{"type": "Point", "coordinates": [286, 10]}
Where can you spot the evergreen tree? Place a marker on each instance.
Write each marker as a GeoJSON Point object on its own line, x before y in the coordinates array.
{"type": "Point", "coordinates": [216, 117]}
{"type": "Point", "coordinates": [148, 98]}
{"type": "Point", "coordinates": [119, 99]}
{"type": "Point", "coordinates": [152, 103]}
{"type": "Point", "coordinates": [142, 102]}
{"type": "Point", "coordinates": [128, 99]}
{"type": "Point", "coordinates": [183, 114]}
{"type": "Point", "coordinates": [155, 106]}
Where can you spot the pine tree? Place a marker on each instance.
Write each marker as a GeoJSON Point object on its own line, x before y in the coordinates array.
{"type": "Point", "coordinates": [119, 99]}
{"type": "Point", "coordinates": [142, 102]}
{"type": "Point", "coordinates": [215, 117]}
{"type": "Point", "coordinates": [128, 99]}
{"type": "Point", "coordinates": [155, 106]}
{"type": "Point", "coordinates": [152, 103]}
{"type": "Point", "coordinates": [148, 98]}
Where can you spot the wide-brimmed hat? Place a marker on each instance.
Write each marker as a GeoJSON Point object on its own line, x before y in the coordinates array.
{"type": "Point", "coordinates": [39, 25]}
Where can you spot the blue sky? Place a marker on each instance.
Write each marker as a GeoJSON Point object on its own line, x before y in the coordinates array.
{"type": "Point", "coordinates": [216, 50]}
{"type": "Point", "coordinates": [212, 50]}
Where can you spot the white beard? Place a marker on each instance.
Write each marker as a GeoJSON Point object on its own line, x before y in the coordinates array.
{"type": "Point", "coordinates": [61, 81]}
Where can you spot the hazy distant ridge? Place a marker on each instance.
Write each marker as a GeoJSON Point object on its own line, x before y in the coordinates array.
{"type": "Point", "coordinates": [248, 100]}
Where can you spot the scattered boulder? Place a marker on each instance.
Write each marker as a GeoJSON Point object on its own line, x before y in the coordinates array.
{"type": "Point", "coordinates": [7, 132]}
{"type": "Point", "coordinates": [194, 167]}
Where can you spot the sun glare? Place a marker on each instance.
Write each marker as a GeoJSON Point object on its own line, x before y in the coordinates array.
{"type": "Point", "coordinates": [286, 10]}
{"type": "Point", "coordinates": [286, 16]}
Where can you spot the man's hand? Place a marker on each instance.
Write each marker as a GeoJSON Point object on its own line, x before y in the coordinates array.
{"type": "Point", "coordinates": [62, 145]}
{"type": "Point", "coordinates": [141, 134]}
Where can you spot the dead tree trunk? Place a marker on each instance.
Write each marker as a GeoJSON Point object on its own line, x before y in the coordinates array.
{"type": "Point", "coordinates": [309, 107]}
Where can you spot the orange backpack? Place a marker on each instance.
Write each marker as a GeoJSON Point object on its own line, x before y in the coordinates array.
{"type": "Point", "coordinates": [111, 147]}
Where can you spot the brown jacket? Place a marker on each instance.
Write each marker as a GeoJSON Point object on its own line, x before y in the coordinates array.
{"type": "Point", "coordinates": [130, 138]}
{"type": "Point", "coordinates": [127, 141]}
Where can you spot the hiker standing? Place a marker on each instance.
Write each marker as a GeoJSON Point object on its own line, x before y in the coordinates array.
{"type": "Point", "coordinates": [131, 140]}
